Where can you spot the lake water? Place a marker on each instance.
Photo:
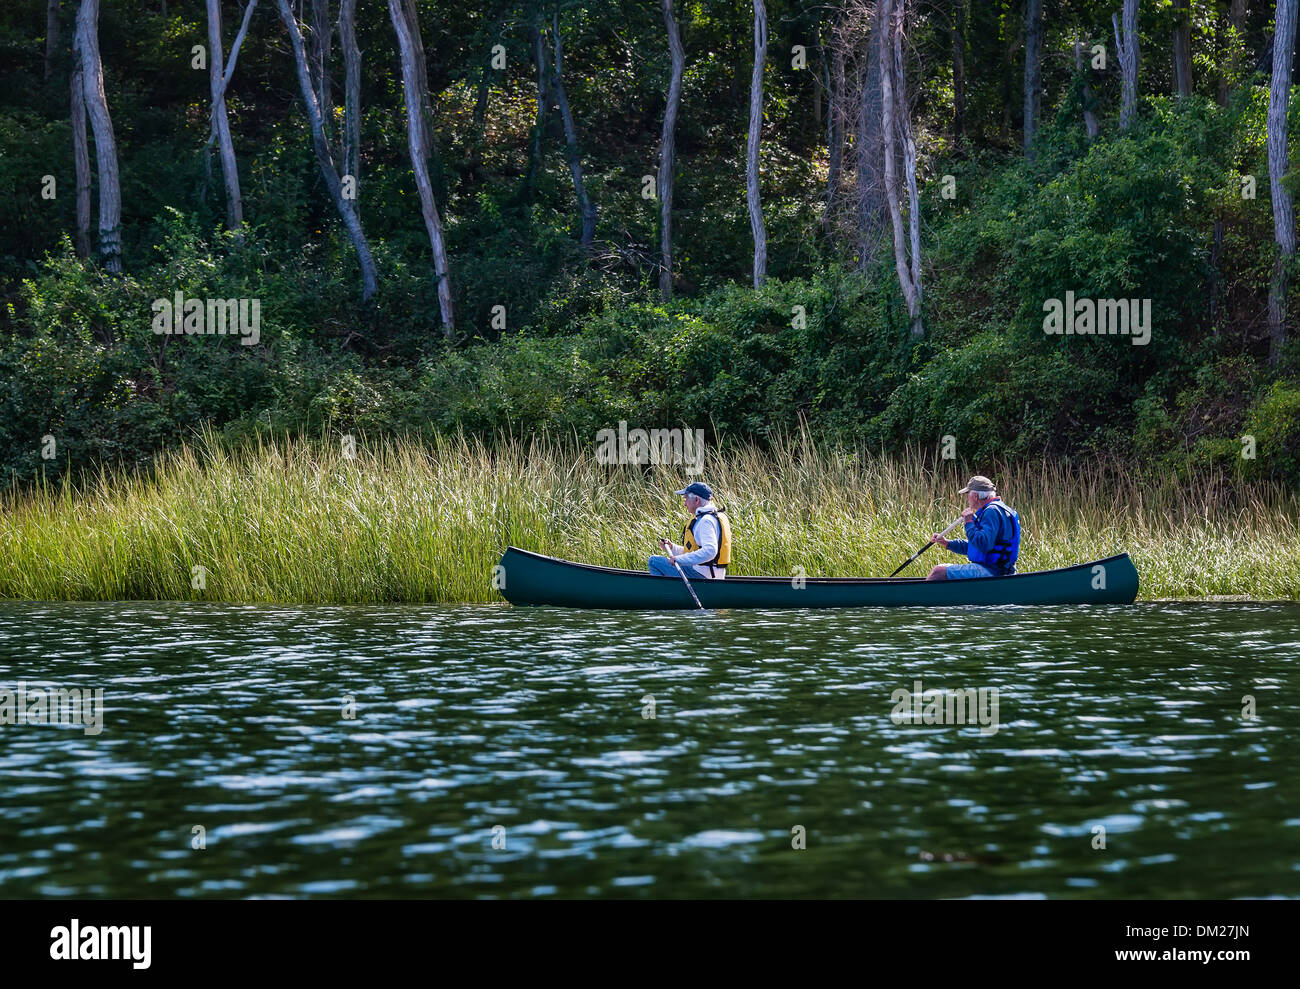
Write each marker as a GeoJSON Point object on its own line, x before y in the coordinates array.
{"type": "Point", "coordinates": [498, 752]}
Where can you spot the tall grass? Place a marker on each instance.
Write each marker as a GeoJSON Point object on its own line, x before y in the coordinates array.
{"type": "Point", "coordinates": [296, 521]}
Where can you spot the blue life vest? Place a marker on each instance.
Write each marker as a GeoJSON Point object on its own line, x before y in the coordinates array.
{"type": "Point", "coordinates": [1001, 559]}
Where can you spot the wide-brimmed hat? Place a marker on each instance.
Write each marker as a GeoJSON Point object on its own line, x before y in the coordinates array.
{"type": "Point", "coordinates": [978, 483]}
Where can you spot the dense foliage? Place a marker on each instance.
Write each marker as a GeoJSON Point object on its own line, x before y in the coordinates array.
{"type": "Point", "coordinates": [1155, 212]}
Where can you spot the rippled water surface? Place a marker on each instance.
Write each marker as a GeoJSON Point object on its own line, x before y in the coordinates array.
{"type": "Point", "coordinates": [481, 727]}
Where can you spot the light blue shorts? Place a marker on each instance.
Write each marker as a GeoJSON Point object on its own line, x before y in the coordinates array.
{"type": "Point", "coordinates": [965, 571]}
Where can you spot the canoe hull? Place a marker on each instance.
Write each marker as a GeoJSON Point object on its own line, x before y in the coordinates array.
{"type": "Point", "coordinates": [533, 579]}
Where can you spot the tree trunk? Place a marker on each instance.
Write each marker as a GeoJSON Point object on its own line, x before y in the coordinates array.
{"type": "Point", "coordinates": [1033, 69]}
{"type": "Point", "coordinates": [51, 35]}
{"type": "Point", "coordinates": [321, 35]}
{"type": "Point", "coordinates": [586, 208]}
{"type": "Point", "coordinates": [870, 146]}
{"type": "Point", "coordinates": [1126, 46]}
{"type": "Point", "coordinates": [411, 71]}
{"type": "Point", "coordinates": [348, 213]}
{"type": "Point", "coordinates": [421, 77]}
{"type": "Point", "coordinates": [351, 90]}
{"type": "Point", "coordinates": [755, 126]}
{"type": "Point", "coordinates": [101, 124]}
{"type": "Point", "coordinates": [958, 67]}
{"type": "Point", "coordinates": [1182, 48]}
{"type": "Point", "coordinates": [1089, 101]}
{"type": "Point", "coordinates": [898, 139]}
{"type": "Point", "coordinates": [212, 116]}
{"type": "Point", "coordinates": [667, 151]}
{"type": "Point", "coordinates": [1278, 164]}
{"type": "Point", "coordinates": [220, 122]}
{"type": "Point", "coordinates": [80, 159]}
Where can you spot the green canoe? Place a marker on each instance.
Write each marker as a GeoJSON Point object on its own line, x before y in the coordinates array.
{"type": "Point", "coordinates": [530, 578]}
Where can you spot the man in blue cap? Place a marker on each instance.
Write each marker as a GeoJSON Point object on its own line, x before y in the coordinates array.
{"type": "Point", "coordinates": [992, 542]}
{"type": "Point", "coordinates": [707, 539]}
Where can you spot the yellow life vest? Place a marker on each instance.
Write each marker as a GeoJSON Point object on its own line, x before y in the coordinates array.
{"type": "Point", "coordinates": [723, 557]}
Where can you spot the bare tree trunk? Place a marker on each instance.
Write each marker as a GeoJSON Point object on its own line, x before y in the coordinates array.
{"type": "Point", "coordinates": [958, 29]}
{"type": "Point", "coordinates": [586, 208]}
{"type": "Point", "coordinates": [351, 90]}
{"type": "Point", "coordinates": [322, 32]}
{"type": "Point", "coordinates": [80, 159]}
{"type": "Point", "coordinates": [667, 151]}
{"type": "Point", "coordinates": [225, 84]}
{"type": "Point", "coordinates": [348, 213]}
{"type": "Point", "coordinates": [898, 138]}
{"type": "Point", "coordinates": [220, 122]}
{"type": "Point", "coordinates": [51, 35]}
{"type": "Point", "coordinates": [1033, 69]}
{"type": "Point", "coordinates": [101, 124]}
{"type": "Point", "coordinates": [1127, 47]}
{"type": "Point", "coordinates": [1182, 48]}
{"type": "Point", "coordinates": [869, 143]}
{"type": "Point", "coordinates": [421, 77]}
{"type": "Point", "coordinates": [1089, 118]}
{"type": "Point", "coordinates": [1278, 165]}
{"type": "Point", "coordinates": [755, 126]}
{"type": "Point", "coordinates": [411, 70]}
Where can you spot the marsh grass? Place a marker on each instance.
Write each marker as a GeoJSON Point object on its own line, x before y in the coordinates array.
{"type": "Point", "coordinates": [296, 521]}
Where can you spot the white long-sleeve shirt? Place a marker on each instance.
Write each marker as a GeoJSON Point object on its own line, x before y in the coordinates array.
{"type": "Point", "coordinates": [708, 533]}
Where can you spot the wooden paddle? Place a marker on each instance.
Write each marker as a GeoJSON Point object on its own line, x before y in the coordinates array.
{"type": "Point", "coordinates": [927, 546]}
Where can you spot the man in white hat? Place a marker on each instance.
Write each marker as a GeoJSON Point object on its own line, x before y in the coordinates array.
{"type": "Point", "coordinates": [707, 539]}
{"type": "Point", "coordinates": [992, 542]}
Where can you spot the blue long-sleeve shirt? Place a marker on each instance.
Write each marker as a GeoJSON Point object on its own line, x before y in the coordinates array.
{"type": "Point", "coordinates": [985, 529]}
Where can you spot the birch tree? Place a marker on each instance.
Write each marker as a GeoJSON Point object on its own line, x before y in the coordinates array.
{"type": "Point", "coordinates": [220, 121]}
{"type": "Point", "coordinates": [755, 126]}
{"type": "Point", "coordinates": [86, 45]}
{"type": "Point", "coordinates": [411, 70]}
{"type": "Point", "coordinates": [1279, 99]}
{"type": "Point", "coordinates": [586, 208]}
{"type": "Point", "coordinates": [897, 130]}
{"type": "Point", "coordinates": [346, 207]}
{"type": "Point", "coordinates": [667, 151]}
{"type": "Point", "coordinates": [1126, 46]}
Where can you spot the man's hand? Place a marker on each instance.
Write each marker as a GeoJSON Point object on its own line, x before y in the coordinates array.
{"type": "Point", "coordinates": [967, 514]}
{"type": "Point", "coordinates": [936, 538]}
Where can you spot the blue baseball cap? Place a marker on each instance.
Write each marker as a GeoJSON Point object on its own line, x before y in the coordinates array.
{"type": "Point", "coordinates": [697, 488]}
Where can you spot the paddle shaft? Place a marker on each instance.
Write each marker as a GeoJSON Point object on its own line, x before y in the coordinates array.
{"type": "Point", "coordinates": [925, 547]}
{"type": "Point", "coordinates": [686, 582]}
